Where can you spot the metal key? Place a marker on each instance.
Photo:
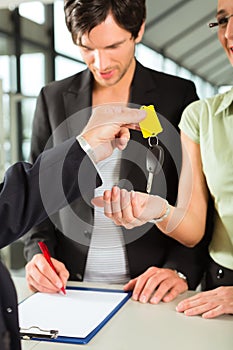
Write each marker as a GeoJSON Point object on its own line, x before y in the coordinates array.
{"type": "Point", "coordinates": [154, 162]}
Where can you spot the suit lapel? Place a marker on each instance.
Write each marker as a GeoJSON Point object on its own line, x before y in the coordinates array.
{"type": "Point", "coordinates": [77, 102]}
{"type": "Point", "coordinates": [143, 92]}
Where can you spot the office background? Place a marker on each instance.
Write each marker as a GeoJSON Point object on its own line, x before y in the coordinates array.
{"type": "Point", "coordinates": [36, 48]}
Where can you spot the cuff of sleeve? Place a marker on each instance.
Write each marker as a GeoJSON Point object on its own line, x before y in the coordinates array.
{"type": "Point", "coordinates": [181, 275]}
{"type": "Point", "coordinates": [87, 148]}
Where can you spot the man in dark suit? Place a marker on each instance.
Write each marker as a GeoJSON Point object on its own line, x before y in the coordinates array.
{"type": "Point", "coordinates": [22, 203]}
{"type": "Point", "coordinates": [106, 34]}
{"type": "Point", "coordinates": [21, 206]}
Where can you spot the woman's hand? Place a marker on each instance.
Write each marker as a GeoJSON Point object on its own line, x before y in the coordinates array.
{"type": "Point", "coordinates": [209, 304]}
{"type": "Point", "coordinates": [130, 209]}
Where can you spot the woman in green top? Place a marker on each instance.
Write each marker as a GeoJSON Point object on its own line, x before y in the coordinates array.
{"type": "Point", "coordinates": [207, 143]}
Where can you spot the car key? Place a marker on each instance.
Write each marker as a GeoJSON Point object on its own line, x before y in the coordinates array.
{"type": "Point", "coordinates": [154, 162]}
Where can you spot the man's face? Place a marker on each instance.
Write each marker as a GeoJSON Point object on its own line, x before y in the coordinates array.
{"type": "Point", "coordinates": [108, 51]}
{"type": "Point", "coordinates": [225, 31]}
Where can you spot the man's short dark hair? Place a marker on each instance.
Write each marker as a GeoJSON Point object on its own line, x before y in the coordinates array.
{"type": "Point", "coordinates": [83, 15]}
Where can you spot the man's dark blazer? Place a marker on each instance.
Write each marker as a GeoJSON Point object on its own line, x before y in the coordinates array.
{"type": "Point", "coordinates": [62, 99]}
{"type": "Point", "coordinates": [21, 207]}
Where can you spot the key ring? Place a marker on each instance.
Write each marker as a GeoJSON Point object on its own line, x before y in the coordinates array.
{"type": "Point", "coordinates": [149, 141]}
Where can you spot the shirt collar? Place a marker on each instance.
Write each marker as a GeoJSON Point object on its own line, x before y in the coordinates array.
{"type": "Point", "coordinates": [226, 101]}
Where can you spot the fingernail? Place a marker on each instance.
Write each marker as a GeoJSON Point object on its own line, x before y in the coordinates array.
{"type": "Point", "coordinates": [123, 193]}
{"type": "Point", "coordinates": [187, 313]}
{"type": "Point", "coordinates": [132, 194]}
{"type": "Point", "coordinates": [143, 299]}
{"type": "Point", "coordinates": [167, 299]}
{"type": "Point", "coordinates": [115, 189]}
{"type": "Point", "coordinates": [59, 284]}
{"type": "Point", "coordinates": [154, 300]}
{"type": "Point", "coordinates": [142, 112]}
{"type": "Point", "coordinates": [135, 297]}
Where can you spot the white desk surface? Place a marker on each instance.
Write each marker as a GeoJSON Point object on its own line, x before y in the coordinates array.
{"type": "Point", "coordinates": [139, 326]}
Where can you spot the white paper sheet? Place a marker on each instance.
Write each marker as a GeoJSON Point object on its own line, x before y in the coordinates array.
{"type": "Point", "coordinates": [75, 314]}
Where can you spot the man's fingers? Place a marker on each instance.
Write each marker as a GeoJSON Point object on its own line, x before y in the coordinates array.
{"type": "Point", "coordinates": [133, 126]}
{"type": "Point", "coordinates": [130, 285]}
{"type": "Point", "coordinates": [133, 116]}
{"type": "Point", "coordinates": [122, 139]}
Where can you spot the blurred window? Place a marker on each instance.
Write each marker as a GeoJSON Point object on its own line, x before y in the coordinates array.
{"type": "Point", "coordinates": [33, 10]}
{"type": "Point", "coordinates": [65, 67]}
{"type": "Point", "coordinates": [63, 40]}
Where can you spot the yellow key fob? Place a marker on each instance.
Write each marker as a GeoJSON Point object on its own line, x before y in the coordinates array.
{"type": "Point", "coordinates": [150, 126]}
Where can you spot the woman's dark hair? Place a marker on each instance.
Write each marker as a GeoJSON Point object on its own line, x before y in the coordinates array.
{"type": "Point", "coordinates": [83, 15]}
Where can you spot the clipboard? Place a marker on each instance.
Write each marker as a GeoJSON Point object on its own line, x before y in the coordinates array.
{"type": "Point", "coordinates": [78, 318]}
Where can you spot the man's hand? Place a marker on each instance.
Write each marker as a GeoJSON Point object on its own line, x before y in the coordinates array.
{"type": "Point", "coordinates": [209, 304]}
{"type": "Point", "coordinates": [156, 284]}
{"type": "Point", "coordinates": [108, 128]}
{"type": "Point", "coordinates": [41, 277]}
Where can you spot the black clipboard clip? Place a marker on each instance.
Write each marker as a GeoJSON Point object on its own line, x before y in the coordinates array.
{"type": "Point", "coordinates": [38, 333]}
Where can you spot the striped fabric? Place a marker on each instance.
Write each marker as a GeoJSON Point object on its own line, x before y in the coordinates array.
{"type": "Point", "coordinates": [107, 260]}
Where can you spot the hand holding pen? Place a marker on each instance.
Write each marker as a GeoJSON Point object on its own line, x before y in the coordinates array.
{"type": "Point", "coordinates": [46, 254]}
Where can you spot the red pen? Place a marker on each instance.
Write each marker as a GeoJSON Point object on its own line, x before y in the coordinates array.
{"type": "Point", "coordinates": [45, 252]}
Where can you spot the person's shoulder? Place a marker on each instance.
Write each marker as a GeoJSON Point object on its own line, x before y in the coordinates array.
{"type": "Point", "coordinates": [213, 103]}
{"type": "Point", "coordinates": [220, 98]}
{"type": "Point", "coordinates": [174, 79]}
{"type": "Point", "coordinates": [166, 78]}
